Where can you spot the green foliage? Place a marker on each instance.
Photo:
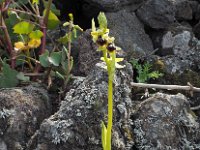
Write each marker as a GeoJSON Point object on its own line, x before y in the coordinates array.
{"type": "Point", "coordinates": [23, 27]}
{"type": "Point", "coordinates": [8, 76]}
{"type": "Point", "coordinates": [47, 60]}
{"type": "Point", "coordinates": [53, 20]}
{"type": "Point", "coordinates": [144, 72]}
{"type": "Point", "coordinates": [37, 34]}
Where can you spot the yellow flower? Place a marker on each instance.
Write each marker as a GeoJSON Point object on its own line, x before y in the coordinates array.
{"type": "Point", "coordinates": [20, 46]}
{"type": "Point", "coordinates": [99, 33]}
{"type": "Point", "coordinates": [34, 43]}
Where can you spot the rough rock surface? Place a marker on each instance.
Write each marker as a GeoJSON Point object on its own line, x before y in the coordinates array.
{"type": "Point", "coordinates": [21, 112]}
{"type": "Point", "coordinates": [77, 123]}
{"type": "Point", "coordinates": [166, 122]}
{"type": "Point", "coordinates": [157, 14]}
{"type": "Point", "coordinates": [129, 32]}
{"type": "Point", "coordinates": [87, 53]}
{"type": "Point", "coordinates": [185, 51]}
{"type": "Point", "coordinates": [112, 5]}
{"type": "Point", "coordinates": [184, 10]}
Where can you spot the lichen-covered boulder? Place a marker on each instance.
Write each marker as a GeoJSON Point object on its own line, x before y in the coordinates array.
{"type": "Point", "coordinates": [77, 124]}
{"type": "Point", "coordinates": [21, 112]}
{"type": "Point", "coordinates": [165, 122]}
{"type": "Point", "coordinates": [157, 14]}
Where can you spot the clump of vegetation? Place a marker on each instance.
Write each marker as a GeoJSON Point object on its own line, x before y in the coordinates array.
{"type": "Point", "coordinates": [107, 47]}
{"type": "Point", "coordinates": [24, 25]}
{"type": "Point", "coordinates": [145, 71]}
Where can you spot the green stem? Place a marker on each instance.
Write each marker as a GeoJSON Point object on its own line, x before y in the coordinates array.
{"type": "Point", "coordinates": [110, 113]}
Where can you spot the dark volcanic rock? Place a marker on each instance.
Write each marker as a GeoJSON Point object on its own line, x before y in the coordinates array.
{"type": "Point", "coordinates": [157, 14]}
{"type": "Point", "coordinates": [88, 55]}
{"type": "Point", "coordinates": [112, 5]}
{"type": "Point", "coordinates": [77, 123]}
{"type": "Point", "coordinates": [21, 112]}
{"type": "Point", "coordinates": [166, 122]}
{"type": "Point", "coordinates": [184, 10]}
{"type": "Point", "coordinates": [129, 32]}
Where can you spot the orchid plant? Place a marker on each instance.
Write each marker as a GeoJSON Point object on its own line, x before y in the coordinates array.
{"type": "Point", "coordinates": [106, 45]}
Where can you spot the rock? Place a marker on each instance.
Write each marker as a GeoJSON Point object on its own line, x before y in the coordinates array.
{"type": "Point", "coordinates": [88, 55]}
{"type": "Point", "coordinates": [157, 14]}
{"type": "Point", "coordinates": [165, 122]}
{"type": "Point", "coordinates": [184, 11]}
{"type": "Point", "coordinates": [76, 125]}
{"type": "Point", "coordinates": [196, 30]}
{"type": "Point", "coordinates": [180, 50]}
{"type": "Point", "coordinates": [112, 5]}
{"type": "Point", "coordinates": [129, 32]}
{"type": "Point", "coordinates": [21, 112]}
{"type": "Point", "coordinates": [197, 14]}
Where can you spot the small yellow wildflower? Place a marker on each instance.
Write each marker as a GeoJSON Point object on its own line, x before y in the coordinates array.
{"type": "Point", "coordinates": [34, 43]}
{"type": "Point", "coordinates": [20, 46]}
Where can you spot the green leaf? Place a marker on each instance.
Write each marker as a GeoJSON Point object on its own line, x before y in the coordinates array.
{"type": "Point", "coordinates": [55, 58]}
{"type": "Point", "coordinates": [103, 135]}
{"type": "Point", "coordinates": [64, 39]}
{"type": "Point", "coordinates": [44, 59]}
{"type": "Point", "coordinates": [8, 76]}
{"type": "Point", "coordinates": [102, 21]}
{"type": "Point", "coordinates": [53, 20]}
{"type": "Point", "coordinates": [23, 27]}
{"type": "Point", "coordinates": [22, 77]}
{"type": "Point", "coordinates": [155, 75]}
{"type": "Point", "coordinates": [59, 75]}
{"type": "Point", "coordinates": [35, 2]}
{"type": "Point", "coordinates": [37, 34]}
{"type": "Point", "coordinates": [53, 8]}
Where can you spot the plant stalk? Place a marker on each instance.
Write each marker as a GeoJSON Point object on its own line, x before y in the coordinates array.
{"type": "Point", "coordinates": [9, 43]}
{"type": "Point", "coordinates": [110, 113]}
{"type": "Point", "coordinates": [43, 24]}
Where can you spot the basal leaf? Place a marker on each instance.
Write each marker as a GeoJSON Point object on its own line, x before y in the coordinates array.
{"type": "Point", "coordinates": [22, 77]}
{"type": "Point", "coordinates": [55, 58]}
{"type": "Point", "coordinates": [44, 59]}
{"type": "Point", "coordinates": [103, 135]}
{"type": "Point", "coordinates": [8, 76]}
{"type": "Point", "coordinates": [23, 27]}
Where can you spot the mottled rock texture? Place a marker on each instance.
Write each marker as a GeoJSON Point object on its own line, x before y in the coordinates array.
{"type": "Point", "coordinates": [129, 32]}
{"type": "Point", "coordinates": [21, 112]}
{"type": "Point", "coordinates": [165, 122]}
{"type": "Point", "coordinates": [157, 14]}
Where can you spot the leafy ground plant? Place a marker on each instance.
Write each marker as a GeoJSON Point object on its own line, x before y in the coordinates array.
{"type": "Point", "coordinates": [144, 71]}
{"type": "Point", "coordinates": [107, 47]}
{"type": "Point", "coordinates": [24, 25]}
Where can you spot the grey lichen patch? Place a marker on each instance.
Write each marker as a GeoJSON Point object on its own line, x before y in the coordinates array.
{"type": "Point", "coordinates": [165, 122]}
{"type": "Point", "coordinates": [60, 131]}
